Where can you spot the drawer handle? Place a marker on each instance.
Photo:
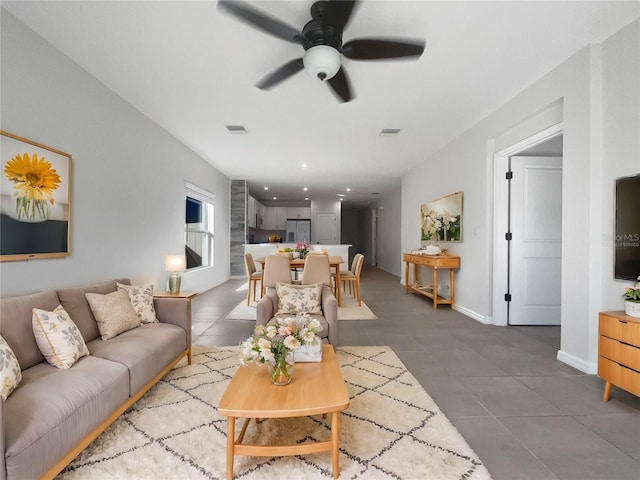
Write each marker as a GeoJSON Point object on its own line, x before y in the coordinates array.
{"type": "Point", "coordinates": [623, 321]}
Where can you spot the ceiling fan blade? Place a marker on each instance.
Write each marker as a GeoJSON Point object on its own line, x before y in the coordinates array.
{"type": "Point", "coordinates": [341, 86]}
{"type": "Point", "coordinates": [378, 49]}
{"type": "Point", "coordinates": [260, 20]}
{"type": "Point", "coordinates": [280, 74]}
{"type": "Point", "coordinates": [337, 13]}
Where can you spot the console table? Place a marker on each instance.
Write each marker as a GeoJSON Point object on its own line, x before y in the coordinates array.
{"type": "Point", "coordinates": [435, 262]}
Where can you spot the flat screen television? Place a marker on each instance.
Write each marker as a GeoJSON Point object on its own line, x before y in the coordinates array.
{"type": "Point", "coordinates": [627, 235]}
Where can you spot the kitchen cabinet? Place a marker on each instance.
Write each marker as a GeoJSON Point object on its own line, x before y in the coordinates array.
{"type": "Point", "coordinates": [275, 218]}
{"type": "Point", "coordinates": [298, 212]}
{"type": "Point", "coordinates": [251, 211]}
{"type": "Point", "coordinates": [255, 208]}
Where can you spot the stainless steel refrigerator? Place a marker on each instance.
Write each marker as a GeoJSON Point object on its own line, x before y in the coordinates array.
{"type": "Point", "coordinates": [298, 231]}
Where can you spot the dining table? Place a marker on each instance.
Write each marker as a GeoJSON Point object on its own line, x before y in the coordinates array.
{"type": "Point", "coordinates": [334, 262]}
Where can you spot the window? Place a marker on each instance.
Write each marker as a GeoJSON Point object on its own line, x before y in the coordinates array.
{"type": "Point", "coordinates": [199, 227]}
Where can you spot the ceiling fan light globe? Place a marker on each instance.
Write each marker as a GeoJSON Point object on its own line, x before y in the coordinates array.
{"type": "Point", "coordinates": [322, 62]}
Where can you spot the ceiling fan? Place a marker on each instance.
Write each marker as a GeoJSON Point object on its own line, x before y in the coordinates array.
{"type": "Point", "coordinates": [321, 39]}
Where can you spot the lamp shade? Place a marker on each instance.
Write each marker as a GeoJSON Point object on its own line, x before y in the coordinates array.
{"type": "Point", "coordinates": [175, 263]}
{"type": "Point", "coordinates": [322, 62]}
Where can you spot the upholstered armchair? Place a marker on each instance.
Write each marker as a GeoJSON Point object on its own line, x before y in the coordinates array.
{"type": "Point", "coordinates": [316, 271]}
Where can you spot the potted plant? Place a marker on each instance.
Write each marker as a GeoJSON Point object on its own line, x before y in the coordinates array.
{"type": "Point", "coordinates": [303, 249]}
{"type": "Point", "coordinates": [632, 300]}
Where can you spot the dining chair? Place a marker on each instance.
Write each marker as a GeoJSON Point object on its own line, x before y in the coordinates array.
{"type": "Point", "coordinates": [253, 276]}
{"type": "Point", "coordinates": [317, 269]}
{"type": "Point", "coordinates": [276, 269]}
{"type": "Point", "coordinates": [353, 277]}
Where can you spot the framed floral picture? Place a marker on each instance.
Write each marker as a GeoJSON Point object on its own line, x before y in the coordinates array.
{"type": "Point", "coordinates": [35, 200]}
{"type": "Point", "coordinates": [441, 219]}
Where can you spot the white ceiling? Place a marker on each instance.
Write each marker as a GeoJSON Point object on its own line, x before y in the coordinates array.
{"type": "Point", "coordinates": [191, 69]}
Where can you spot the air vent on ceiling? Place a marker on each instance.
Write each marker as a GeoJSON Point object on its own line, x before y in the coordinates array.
{"type": "Point", "coordinates": [389, 131]}
{"type": "Point", "coordinates": [237, 129]}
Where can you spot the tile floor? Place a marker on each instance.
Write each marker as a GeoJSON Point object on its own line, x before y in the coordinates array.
{"type": "Point", "coordinates": [527, 415]}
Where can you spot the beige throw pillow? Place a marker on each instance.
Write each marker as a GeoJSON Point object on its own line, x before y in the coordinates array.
{"type": "Point", "coordinates": [10, 373]}
{"type": "Point", "coordinates": [113, 312]}
{"type": "Point", "coordinates": [141, 297]}
{"type": "Point", "coordinates": [294, 299]}
{"type": "Point", "coordinates": [58, 337]}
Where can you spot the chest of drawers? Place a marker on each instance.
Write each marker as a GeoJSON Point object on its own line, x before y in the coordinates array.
{"type": "Point", "coordinates": [619, 352]}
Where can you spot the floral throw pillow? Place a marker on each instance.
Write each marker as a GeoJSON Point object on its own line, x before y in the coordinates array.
{"type": "Point", "coordinates": [294, 299]}
{"type": "Point", "coordinates": [10, 373]}
{"type": "Point", "coordinates": [58, 337]}
{"type": "Point", "coordinates": [141, 297]}
{"type": "Point", "coordinates": [113, 312]}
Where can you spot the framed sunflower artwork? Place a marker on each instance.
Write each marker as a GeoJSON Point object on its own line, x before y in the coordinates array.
{"type": "Point", "coordinates": [35, 200]}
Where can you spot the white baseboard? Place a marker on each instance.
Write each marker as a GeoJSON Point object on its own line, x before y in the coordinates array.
{"type": "Point", "coordinates": [474, 315]}
{"type": "Point", "coordinates": [576, 362]}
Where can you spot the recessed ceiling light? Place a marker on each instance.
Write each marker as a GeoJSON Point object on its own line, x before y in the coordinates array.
{"type": "Point", "coordinates": [306, 198]}
{"type": "Point", "coordinates": [305, 189]}
{"type": "Point", "coordinates": [237, 129]}
{"type": "Point", "coordinates": [304, 165]}
{"type": "Point", "coordinates": [341, 199]}
{"type": "Point", "coordinates": [348, 189]}
{"type": "Point", "coordinates": [340, 194]}
{"type": "Point", "coordinates": [389, 131]}
{"type": "Point", "coordinates": [266, 188]}
{"type": "Point", "coordinates": [275, 198]}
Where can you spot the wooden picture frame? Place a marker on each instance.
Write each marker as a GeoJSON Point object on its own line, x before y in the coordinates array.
{"type": "Point", "coordinates": [35, 200]}
{"type": "Point", "coordinates": [441, 219]}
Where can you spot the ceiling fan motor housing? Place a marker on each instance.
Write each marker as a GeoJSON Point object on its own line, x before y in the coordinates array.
{"type": "Point", "coordinates": [322, 44]}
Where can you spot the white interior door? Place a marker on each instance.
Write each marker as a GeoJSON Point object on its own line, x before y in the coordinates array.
{"type": "Point", "coordinates": [536, 228]}
{"type": "Point", "coordinates": [326, 228]}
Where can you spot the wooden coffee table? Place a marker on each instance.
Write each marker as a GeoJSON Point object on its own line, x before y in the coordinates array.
{"type": "Point", "coordinates": [316, 388]}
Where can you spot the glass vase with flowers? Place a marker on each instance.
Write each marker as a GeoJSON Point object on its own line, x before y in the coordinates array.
{"type": "Point", "coordinates": [274, 344]}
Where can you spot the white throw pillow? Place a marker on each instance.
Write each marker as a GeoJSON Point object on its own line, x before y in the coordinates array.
{"type": "Point", "coordinates": [10, 373]}
{"type": "Point", "coordinates": [294, 299]}
{"type": "Point", "coordinates": [113, 312]}
{"type": "Point", "coordinates": [141, 297]}
{"type": "Point", "coordinates": [58, 337]}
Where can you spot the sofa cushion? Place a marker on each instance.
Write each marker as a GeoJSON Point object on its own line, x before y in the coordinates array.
{"type": "Point", "coordinates": [10, 374]}
{"type": "Point", "coordinates": [58, 337]}
{"type": "Point", "coordinates": [293, 299]}
{"type": "Point", "coordinates": [145, 350]}
{"type": "Point", "coordinates": [15, 325]}
{"type": "Point", "coordinates": [141, 297]}
{"type": "Point", "coordinates": [113, 313]}
{"type": "Point", "coordinates": [54, 408]}
{"type": "Point", "coordinates": [76, 305]}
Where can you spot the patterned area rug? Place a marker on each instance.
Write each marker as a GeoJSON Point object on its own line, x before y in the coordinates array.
{"type": "Point", "coordinates": [349, 310]}
{"type": "Point", "coordinates": [391, 430]}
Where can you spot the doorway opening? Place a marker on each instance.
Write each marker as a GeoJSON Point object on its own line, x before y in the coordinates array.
{"type": "Point", "coordinates": [527, 217]}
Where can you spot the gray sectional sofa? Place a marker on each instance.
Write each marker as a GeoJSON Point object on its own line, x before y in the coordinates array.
{"type": "Point", "coordinates": [54, 414]}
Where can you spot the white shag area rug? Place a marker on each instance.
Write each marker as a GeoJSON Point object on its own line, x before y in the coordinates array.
{"type": "Point", "coordinates": [391, 430]}
{"type": "Point", "coordinates": [349, 310]}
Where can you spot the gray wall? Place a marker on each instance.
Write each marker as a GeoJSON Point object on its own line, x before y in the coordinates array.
{"type": "Point", "coordinates": [596, 92]}
{"type": "Point", "coordinates": [128, 206]}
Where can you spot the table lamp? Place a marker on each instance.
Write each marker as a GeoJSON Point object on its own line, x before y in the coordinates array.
{"type": "Point", "coordinates": [175, 264]}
